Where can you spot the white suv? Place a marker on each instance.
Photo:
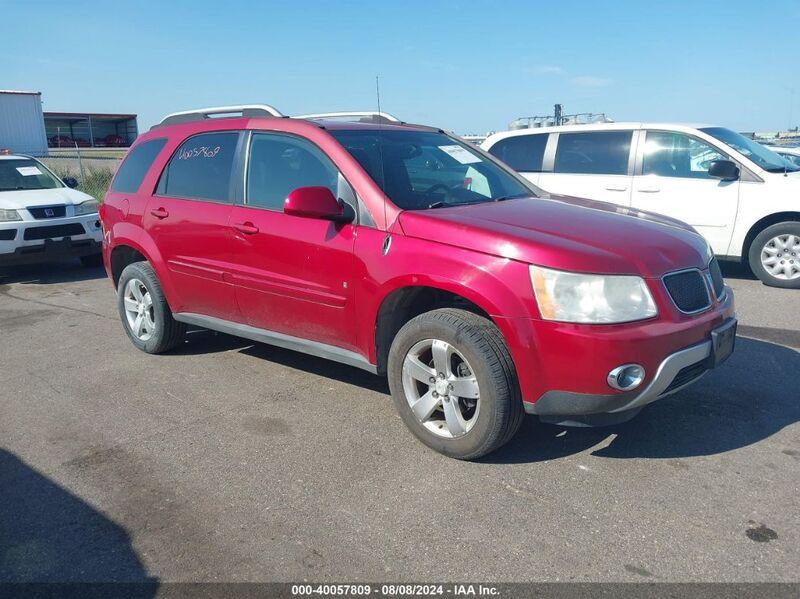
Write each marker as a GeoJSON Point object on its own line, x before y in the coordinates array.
{"type": "Point", "coordinates": [741, 196]}
{"type": "Point", "coordinates": [42, 218]}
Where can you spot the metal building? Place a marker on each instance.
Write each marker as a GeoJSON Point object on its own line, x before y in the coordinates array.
{"type": "Point", "coordinates": [90, 130]}
{"type": "Point", "coordinates": [21, 122]}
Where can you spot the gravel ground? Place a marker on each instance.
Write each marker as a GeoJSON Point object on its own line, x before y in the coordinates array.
{"type": "Point", "coordinates": [233, 461]}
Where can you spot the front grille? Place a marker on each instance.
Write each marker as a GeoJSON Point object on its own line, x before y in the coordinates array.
{"type": "Point", "coordinates": [686, 375]}
{"type": "Point", "coordinates": [688, 290]}
{"type": "Point", "coordinates": [717, 282]}
{"type": "Point", "coordinates": [54, 231]}
{"type": "Point", "coordinates": [40, 212]}
{"type": "Point", "coordinates": [8, 234]}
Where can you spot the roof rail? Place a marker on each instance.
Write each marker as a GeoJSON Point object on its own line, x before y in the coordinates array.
{"type": "Point", "coordinates": [199, 114]}
{"type": "Point", "coordinates": [370, 116]}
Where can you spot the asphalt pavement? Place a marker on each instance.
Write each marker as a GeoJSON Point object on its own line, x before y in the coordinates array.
{"type": "Point", "coordinates": [234, 461]}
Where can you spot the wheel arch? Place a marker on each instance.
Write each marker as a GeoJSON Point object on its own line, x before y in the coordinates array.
{"type": "Point", "coordinates": [763, 223]}
{"type": "Point", "coordinates": [128, 248]}
{"type": "Point", "coordinates": [412, 297]}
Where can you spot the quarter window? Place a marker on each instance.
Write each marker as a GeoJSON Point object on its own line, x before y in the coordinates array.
{"type": "Point", "coordinates": [135, 166]}
{"type": "Point", "coordinates": [523, 153]}
{"type": "Point", "coordinates": [593, 153]}
{"type": "Point", "coordinates": [279, 164]}
{"type": "Point", "coordinates": [668, 154]}
{"type": "Point", "coordinates": [201, 168]}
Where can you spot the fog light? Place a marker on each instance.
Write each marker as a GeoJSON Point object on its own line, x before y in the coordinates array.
{"type": "Point", "coordinates": [626, 377]}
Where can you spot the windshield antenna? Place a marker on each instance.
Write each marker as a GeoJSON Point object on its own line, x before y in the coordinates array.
{"type": "Point", "coordinates": [387, 240]}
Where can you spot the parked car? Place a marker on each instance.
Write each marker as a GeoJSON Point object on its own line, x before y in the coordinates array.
{"type": "Point", "coordinates": [742, 197]}
{"type": "Point", "coordinates": [42, 217]}
{"type": "Point", "coordinates": [792, 154]}
{"type": "Point", "coordinates": [355, 242]}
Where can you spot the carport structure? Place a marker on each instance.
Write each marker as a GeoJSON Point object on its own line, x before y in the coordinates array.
{"type": "Point", "coordinates": [90, 130]}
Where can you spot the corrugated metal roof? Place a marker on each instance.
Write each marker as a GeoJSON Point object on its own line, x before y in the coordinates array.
{"type": "Point", "coordinates": [18, 91]}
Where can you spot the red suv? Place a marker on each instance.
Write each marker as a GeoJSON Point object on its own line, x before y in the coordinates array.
{"type": "Point", "coordinates": [407, 252]}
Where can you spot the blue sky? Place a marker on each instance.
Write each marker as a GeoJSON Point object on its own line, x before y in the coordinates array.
{"type": "Point", "coordinates": [468, 65]}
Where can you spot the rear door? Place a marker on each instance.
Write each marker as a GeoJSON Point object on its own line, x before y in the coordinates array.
{"type": "Point", "coordinates": [590, 164]}
{"type": "Point", "coordinates": [523, 153]}
{"type": "Point", "coordinates": [188, 220]}
{"type": "Point", "coordinates": [293, 275]}
{"type": "Point", "coordinates": [672, 178]}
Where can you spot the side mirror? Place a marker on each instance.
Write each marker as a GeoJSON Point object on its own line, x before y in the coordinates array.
{"type": "Point", "coordinates": [725, 170]}
{"type": "Point", "coordinates": [316, 202]}
{"type": "Point", "coordinates": [70, 182]}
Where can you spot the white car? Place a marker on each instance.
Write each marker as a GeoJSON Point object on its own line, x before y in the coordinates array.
{"type": "Point", "coordinates": [42, 218]}
{"type": "Point", "coordinates": [787, 153]}
{"type": "Point", "coordinates": [741, 196]}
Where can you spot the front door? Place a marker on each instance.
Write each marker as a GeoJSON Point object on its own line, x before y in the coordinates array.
{"type": "Point", "coordinates": [293, 275]}
{"type": "Point", "coordinates": [674, 181]}
{"type": "Point", "coordinates": [188, 220]}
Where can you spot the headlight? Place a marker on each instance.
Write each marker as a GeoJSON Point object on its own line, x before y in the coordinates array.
{"type": "Point", "coordinates": [572, 297]}
{"type": "Point", "coordinates": [7, 216]}
{"type": "Point", "coordinates": [87, 207]}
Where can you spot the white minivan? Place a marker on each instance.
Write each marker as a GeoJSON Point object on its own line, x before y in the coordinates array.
{"type": "Point", "coordinates": [742, 197]}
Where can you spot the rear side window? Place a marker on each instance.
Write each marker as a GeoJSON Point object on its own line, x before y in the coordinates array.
{"type": "Point", "coordinates": [593, 153]}
{"type": "Point", "coordinates": [201, 168]}
{"type": "Point", "coordinates": [521, 152]}
{"type": "Point", "coordinates": [279, 164]}
{"type": "Point", "coordinates": [135, 166]}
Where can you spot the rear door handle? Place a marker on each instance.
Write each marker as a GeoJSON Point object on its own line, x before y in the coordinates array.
{"type": "Point", "coordinates": [617, 188]}
{"type": "Point", "coordinates": [247, 228]}
{"type": "Point", "coordinates": [159, 212]}
{"type": "Point", "coordinates": [648, 190]}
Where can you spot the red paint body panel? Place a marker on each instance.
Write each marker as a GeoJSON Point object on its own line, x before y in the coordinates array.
{"type": "Point", "coordinates": [326, 281]}
{"type": "Point", "coordinates": [293, 276]}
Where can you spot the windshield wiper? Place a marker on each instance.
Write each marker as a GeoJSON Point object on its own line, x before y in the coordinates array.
{"type": "Point", "coordinates": [511, 197]}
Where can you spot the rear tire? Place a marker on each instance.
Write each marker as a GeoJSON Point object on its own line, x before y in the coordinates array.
{"type": "Point", "coordinates": [144, 311]}
{"type": "Point", "coordinates": [473, 409]}
{"type": "Point", "coordinates": [774, 255]}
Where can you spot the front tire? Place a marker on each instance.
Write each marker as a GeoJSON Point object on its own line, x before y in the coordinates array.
{"type": "Point", "coordinates": [144, 311]}
{"type": "Point", "coordinates": [775, 255]}
{"type": "Point", "coordinates": [454, 384]}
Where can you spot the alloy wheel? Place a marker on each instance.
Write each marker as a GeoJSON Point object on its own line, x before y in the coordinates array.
{"type": "Point", "coordinates": [139, 310]}
{"type": "Point", "coordinates": [441, 388]}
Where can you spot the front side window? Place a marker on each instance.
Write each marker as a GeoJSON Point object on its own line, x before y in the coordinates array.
{"type": "Point", "coordinates": [419, 170]}
{"type": "Point", "coordinates": [25, 173]}
{"type": "Point", "coordinates": [135, 166]}
{"type": "Point", "coordinates": [593, 153]}
{"type": "Point", "coordinates": [763, 157]}
{"type": "Point", "coordinates": [201, 168]}
{"type": "Point", "coordinates": [669, 154]}
{"type": "Point", "coordinates": [279, 164]}
{"type": "Point", "coordinates": [523, 153]}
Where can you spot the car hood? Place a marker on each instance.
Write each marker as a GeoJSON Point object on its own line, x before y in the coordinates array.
{"type": "Point", "coordinates": [25, 198]}
{"type": "Point", "coordinates": [565, 233]}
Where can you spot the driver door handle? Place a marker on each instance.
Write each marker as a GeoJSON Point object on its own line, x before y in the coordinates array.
{"type": "Point", "coordinates": [648, 190]}
{"type": "Point", "coordinates": [617, 187]}
{"type": "Point", "coordinates": [159, 213]}
{"type": "Point", "coordinates": [247, 228]}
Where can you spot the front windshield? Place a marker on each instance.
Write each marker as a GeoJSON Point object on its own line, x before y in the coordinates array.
{"type": "Point", "coordinates": [418, 170]}
{"type": "Point", "coordinates": [763, 157]}
{"type": "Point", "coordinates": [25, 173]}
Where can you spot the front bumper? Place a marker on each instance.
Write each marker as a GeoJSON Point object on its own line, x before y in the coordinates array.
{"type": "Point", "coordinates": [31, 241]}
{"type": "Point", "coordinates": [675, 372]}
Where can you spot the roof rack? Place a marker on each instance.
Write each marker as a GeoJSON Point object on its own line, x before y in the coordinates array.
{"type": "Point", "coordinates": [199, 114]}
{"type": "Point", "coordinates": [364, 117]}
